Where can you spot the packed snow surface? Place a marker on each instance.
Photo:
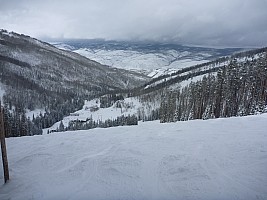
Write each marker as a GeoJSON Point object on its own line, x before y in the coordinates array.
{"type": "Point", "coordinates": [213, 159]}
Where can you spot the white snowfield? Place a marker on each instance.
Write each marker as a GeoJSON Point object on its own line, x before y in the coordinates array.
{"type": "Point", "coordinates": [214, 159]}
{"type": "Point", "coordinates": [152, 64]}
{"type": "Point", "coordinates": [129, 106]}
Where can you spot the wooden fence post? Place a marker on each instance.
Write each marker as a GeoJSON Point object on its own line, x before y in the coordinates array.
{"type": "Point", "coordinates": [3, 145]}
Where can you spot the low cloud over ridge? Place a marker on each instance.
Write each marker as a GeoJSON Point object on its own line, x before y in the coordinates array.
{"type": "Point", "coordinates": [206, 22]}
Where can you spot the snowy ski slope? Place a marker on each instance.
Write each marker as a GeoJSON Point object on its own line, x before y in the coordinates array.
{"type": "Point", "coordinates": [213, 159]}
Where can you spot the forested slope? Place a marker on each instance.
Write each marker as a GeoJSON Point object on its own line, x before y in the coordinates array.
{"type": "Point", "coordinates": [230, 86]}
{"type": "Point", "coordinates": [35, 74]}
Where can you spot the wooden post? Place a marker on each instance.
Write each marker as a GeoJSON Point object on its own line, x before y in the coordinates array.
{"type": "Point", "coordinates": [3, 146]}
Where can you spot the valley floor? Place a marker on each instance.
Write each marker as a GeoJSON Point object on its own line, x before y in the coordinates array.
{"type": "Point", "coordinates": [213, 159]}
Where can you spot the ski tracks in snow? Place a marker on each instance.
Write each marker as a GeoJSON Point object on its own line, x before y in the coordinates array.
{"type": "Point", "coordinates": [186, 160]}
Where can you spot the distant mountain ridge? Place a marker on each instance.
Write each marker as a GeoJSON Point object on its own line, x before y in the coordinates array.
{"type": "Point", "coordinates": [150, 58]}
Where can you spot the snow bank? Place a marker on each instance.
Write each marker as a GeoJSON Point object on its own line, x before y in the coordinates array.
{"type": "Point", "coordinates": [213, 159]}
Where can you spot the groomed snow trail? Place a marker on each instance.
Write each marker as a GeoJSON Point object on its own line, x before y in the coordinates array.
{"type": "Point", "coordinates": [213, 159]}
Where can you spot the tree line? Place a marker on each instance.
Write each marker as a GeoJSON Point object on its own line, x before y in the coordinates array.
{"type": "Point", "coordinates": [237, 89]}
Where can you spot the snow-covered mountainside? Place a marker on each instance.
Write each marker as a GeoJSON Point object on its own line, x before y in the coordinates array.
{"type": "Point", "coordinates": [194, 73]}
{"type": "Point", "coordinates": [48, 67]}
{"type": "Point", "coordinates": [156, 97]}
{"type": "Point", "coordinates": [211, 159]}
{"type": "Point", "coordinates": [36, 75]}
{"type": "Point", "coordinates": [151, 59]}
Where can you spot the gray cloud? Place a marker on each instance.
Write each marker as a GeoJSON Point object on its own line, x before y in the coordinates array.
{"type": "Point", "coordinates": [205, 22]}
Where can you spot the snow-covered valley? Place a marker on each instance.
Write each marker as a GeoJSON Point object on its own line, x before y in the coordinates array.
{"type": "Point", "coordinates": [152, 64]}
{"type": "Point", "coordinates": [151, 59]}
{"type": "Point", "coordinates": [198, 159]}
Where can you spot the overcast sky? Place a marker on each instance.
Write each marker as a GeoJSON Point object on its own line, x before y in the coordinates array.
{"type": "Point", "coordinates": [199, 22]}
